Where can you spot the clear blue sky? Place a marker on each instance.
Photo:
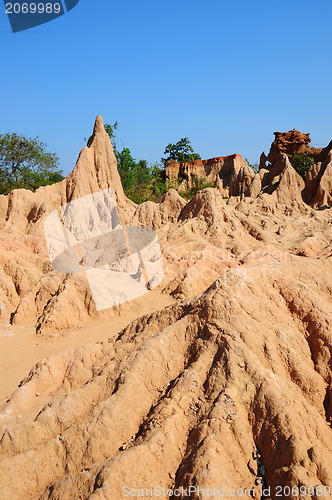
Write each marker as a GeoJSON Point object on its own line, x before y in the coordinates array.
{"type": "Point", "coordinates": [225, 74]}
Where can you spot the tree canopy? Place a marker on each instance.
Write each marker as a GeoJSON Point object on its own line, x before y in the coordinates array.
{"type": "Point", "coordinates": [25, 163]}
{"type": "Point", "coordinates": [181, 151]}
{"type": "Point", "coordinates": [110, 130]}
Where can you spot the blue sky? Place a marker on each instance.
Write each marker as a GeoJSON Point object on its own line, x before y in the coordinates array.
{"type": "Point", "coordinates": [225, 74]}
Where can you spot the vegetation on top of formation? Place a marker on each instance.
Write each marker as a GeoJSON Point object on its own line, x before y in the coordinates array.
{"type": "Point", "coordinates": [26, 163]}
{"type": "Point", "coordinates": [301, 163]}
{"type": "Point", "coordinates": [182, 151]}
{"type": "Point", "coordinates": [199, 184]}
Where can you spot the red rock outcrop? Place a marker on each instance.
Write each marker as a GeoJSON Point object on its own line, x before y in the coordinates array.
{"type": "Point", "coordinates": [289, 143]}
{"type": "Point", "coordinates": [294, 142]}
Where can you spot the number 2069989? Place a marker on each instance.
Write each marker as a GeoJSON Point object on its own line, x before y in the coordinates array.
{"type": "Point", "coordinates": [33, 8]}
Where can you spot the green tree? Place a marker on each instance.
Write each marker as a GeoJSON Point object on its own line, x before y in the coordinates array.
{"type": "Point", "coordinates": [110, 130]}
{"type": "Point", "coordinates": [142, 173]}
{"type": "Point", "coordinates": [181, 151]}
{"type": "Point", "coordinates": [302, 163]}
{"type": "Point", "coordinates": [126, 167]}
{"type": "Point", "coordinates": [25, 163]}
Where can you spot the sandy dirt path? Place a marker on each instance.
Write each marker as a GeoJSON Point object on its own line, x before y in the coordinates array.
{"type": "Point", "coordinates": [21, 348]}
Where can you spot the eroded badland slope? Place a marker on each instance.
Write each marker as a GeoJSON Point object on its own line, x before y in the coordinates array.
{"type": "Point", "coordinates": [218, 378]}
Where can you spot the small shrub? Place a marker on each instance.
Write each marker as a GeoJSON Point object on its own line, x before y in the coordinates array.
{"type": "Point", "coordinates": [174, 183]}
{"type": "Point", "coordinates": [199, 184]}
{"type": "Point", "coordinates": [301, 163]}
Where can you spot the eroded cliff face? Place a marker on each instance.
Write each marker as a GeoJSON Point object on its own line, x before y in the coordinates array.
{"type": "Point", "coordinates": [228, 387]}
{"type": "Point", "coordinates": [232, 176]}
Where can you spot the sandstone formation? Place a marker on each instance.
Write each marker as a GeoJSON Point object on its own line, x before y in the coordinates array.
{"type": "Point", "coordinates": [232, 176]}
{"type": "Point", "coordinates": [23, 212]}
{"type": "Point", "coordinates": [318, 183]}
{"type": "Point", "coordinates": [24, 256]}
{"type": "Point", "coordinates": [229, 386]}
